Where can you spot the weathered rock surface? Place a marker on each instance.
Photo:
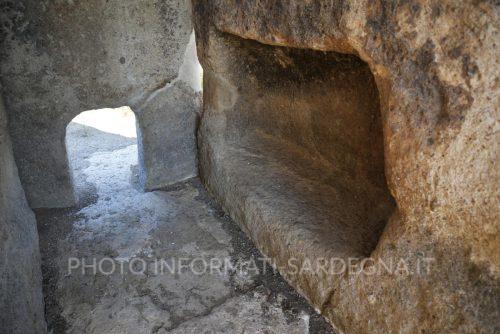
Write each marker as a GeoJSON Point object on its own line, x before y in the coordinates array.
{"type": "Point", "coordinates": [60, 58]}
{"type": "Point", "coordinates": [21, 300]}
{"type": "Point", "coordinates": [307, 103]}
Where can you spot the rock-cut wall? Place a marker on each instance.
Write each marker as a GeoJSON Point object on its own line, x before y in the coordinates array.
{"type": "Point", "coordinates": [60, 58]}
{"type": "Point", "coordinates": [361, 130]}
{"type": "Point", "coordinates": [21, 299]}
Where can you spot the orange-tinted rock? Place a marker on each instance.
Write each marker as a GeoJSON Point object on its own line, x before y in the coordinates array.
{"type": "Point", "coordinates": [299, 97]}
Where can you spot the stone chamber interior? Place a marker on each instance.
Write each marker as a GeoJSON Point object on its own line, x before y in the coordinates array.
{"type": "Point", "coordinates": [358, 131]}
{"type": "Point", "coordinates": [306, 157]}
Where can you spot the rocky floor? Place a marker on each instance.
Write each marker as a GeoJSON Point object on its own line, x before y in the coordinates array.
{"type": "Point", "coordinates": [125, 261]}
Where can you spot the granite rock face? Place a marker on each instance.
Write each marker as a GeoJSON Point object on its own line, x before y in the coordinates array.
{"type": "Point", "coordinates": [21, 299]}
{"type": "Point", "coordinates": [361, 130]}
{"type": "Point", "coordinates": [60, 58]}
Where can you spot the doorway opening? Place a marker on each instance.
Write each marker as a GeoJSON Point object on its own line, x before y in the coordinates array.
{"type": "Point", "coordinates": [92, 138]}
